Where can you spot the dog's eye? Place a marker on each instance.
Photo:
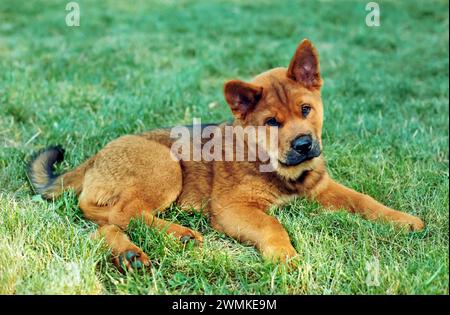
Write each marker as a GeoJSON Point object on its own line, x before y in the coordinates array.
{"type": "Point", "coordinates": [305, 110]}
{"type": "Point", "coordinates": [272, 122]}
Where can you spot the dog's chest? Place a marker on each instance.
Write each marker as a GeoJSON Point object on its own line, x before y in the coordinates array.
{"type": "Point", "coordinates": [284, 199]}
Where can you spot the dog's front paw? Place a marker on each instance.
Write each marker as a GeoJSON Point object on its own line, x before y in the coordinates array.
{"type": "Point", "coordinates": [416, 224]}
{"type": "Point", "coordinates": [411, 222]}
{"type": "Point", "coordinates": [284, 254]}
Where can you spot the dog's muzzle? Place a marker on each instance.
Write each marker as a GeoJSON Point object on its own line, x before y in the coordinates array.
{"type": "Point", "coordinates": [303, 148]}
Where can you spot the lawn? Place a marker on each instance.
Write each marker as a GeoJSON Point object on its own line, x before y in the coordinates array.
{"type": "Point", "coordinates": [135, 65]}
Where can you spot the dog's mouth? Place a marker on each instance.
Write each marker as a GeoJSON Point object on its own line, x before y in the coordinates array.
{"type": "Point", "coordinates": [293, 158]}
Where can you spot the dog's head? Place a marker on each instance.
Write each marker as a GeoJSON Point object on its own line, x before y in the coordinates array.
{"type": "Point", "coordinates": [287, 99]}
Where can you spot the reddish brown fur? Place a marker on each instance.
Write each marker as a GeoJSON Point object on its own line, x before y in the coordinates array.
{"type": "Point", "coordinates": [136, 175]}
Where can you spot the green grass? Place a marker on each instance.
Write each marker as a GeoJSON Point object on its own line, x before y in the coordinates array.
{"type": "Point", "coordinates": [133, 66]}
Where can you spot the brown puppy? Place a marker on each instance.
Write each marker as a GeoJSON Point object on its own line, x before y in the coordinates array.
{"type": "Point", "coordinates": [139, 175]}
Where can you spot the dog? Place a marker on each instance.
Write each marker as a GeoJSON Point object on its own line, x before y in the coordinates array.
{"type": "Point", "coordinates": [139, 176]}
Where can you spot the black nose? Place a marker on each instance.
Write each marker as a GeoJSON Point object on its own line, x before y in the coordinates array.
{"type": "Point", "coordinates": [302, 144]}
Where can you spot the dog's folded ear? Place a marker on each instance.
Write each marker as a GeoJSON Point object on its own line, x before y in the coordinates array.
{"type": "Point", "coordinates": [242, 97]}
{"type": "Point", "coordinates": [304, 67]}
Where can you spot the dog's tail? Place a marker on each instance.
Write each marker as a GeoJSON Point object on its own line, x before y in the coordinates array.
{"type": "Point", "coordinates": [48, 184]}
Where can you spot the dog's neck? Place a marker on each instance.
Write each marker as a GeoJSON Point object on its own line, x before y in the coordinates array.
{"type": "Point", "coordinates": [308, 179]}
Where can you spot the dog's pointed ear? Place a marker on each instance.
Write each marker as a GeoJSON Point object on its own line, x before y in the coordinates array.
{"type": "Point", "coordinates": [242, 97]}
{"type": "Point", "coordinates": [304, 67]}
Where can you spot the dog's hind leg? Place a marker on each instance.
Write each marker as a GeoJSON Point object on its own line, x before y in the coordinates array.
{"type": "Point", "coordinates": [139, 208]}
{"type": "Point", "coordinates": [126, 254]}
{"type": "Point", "coordinates": [182, 233]}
